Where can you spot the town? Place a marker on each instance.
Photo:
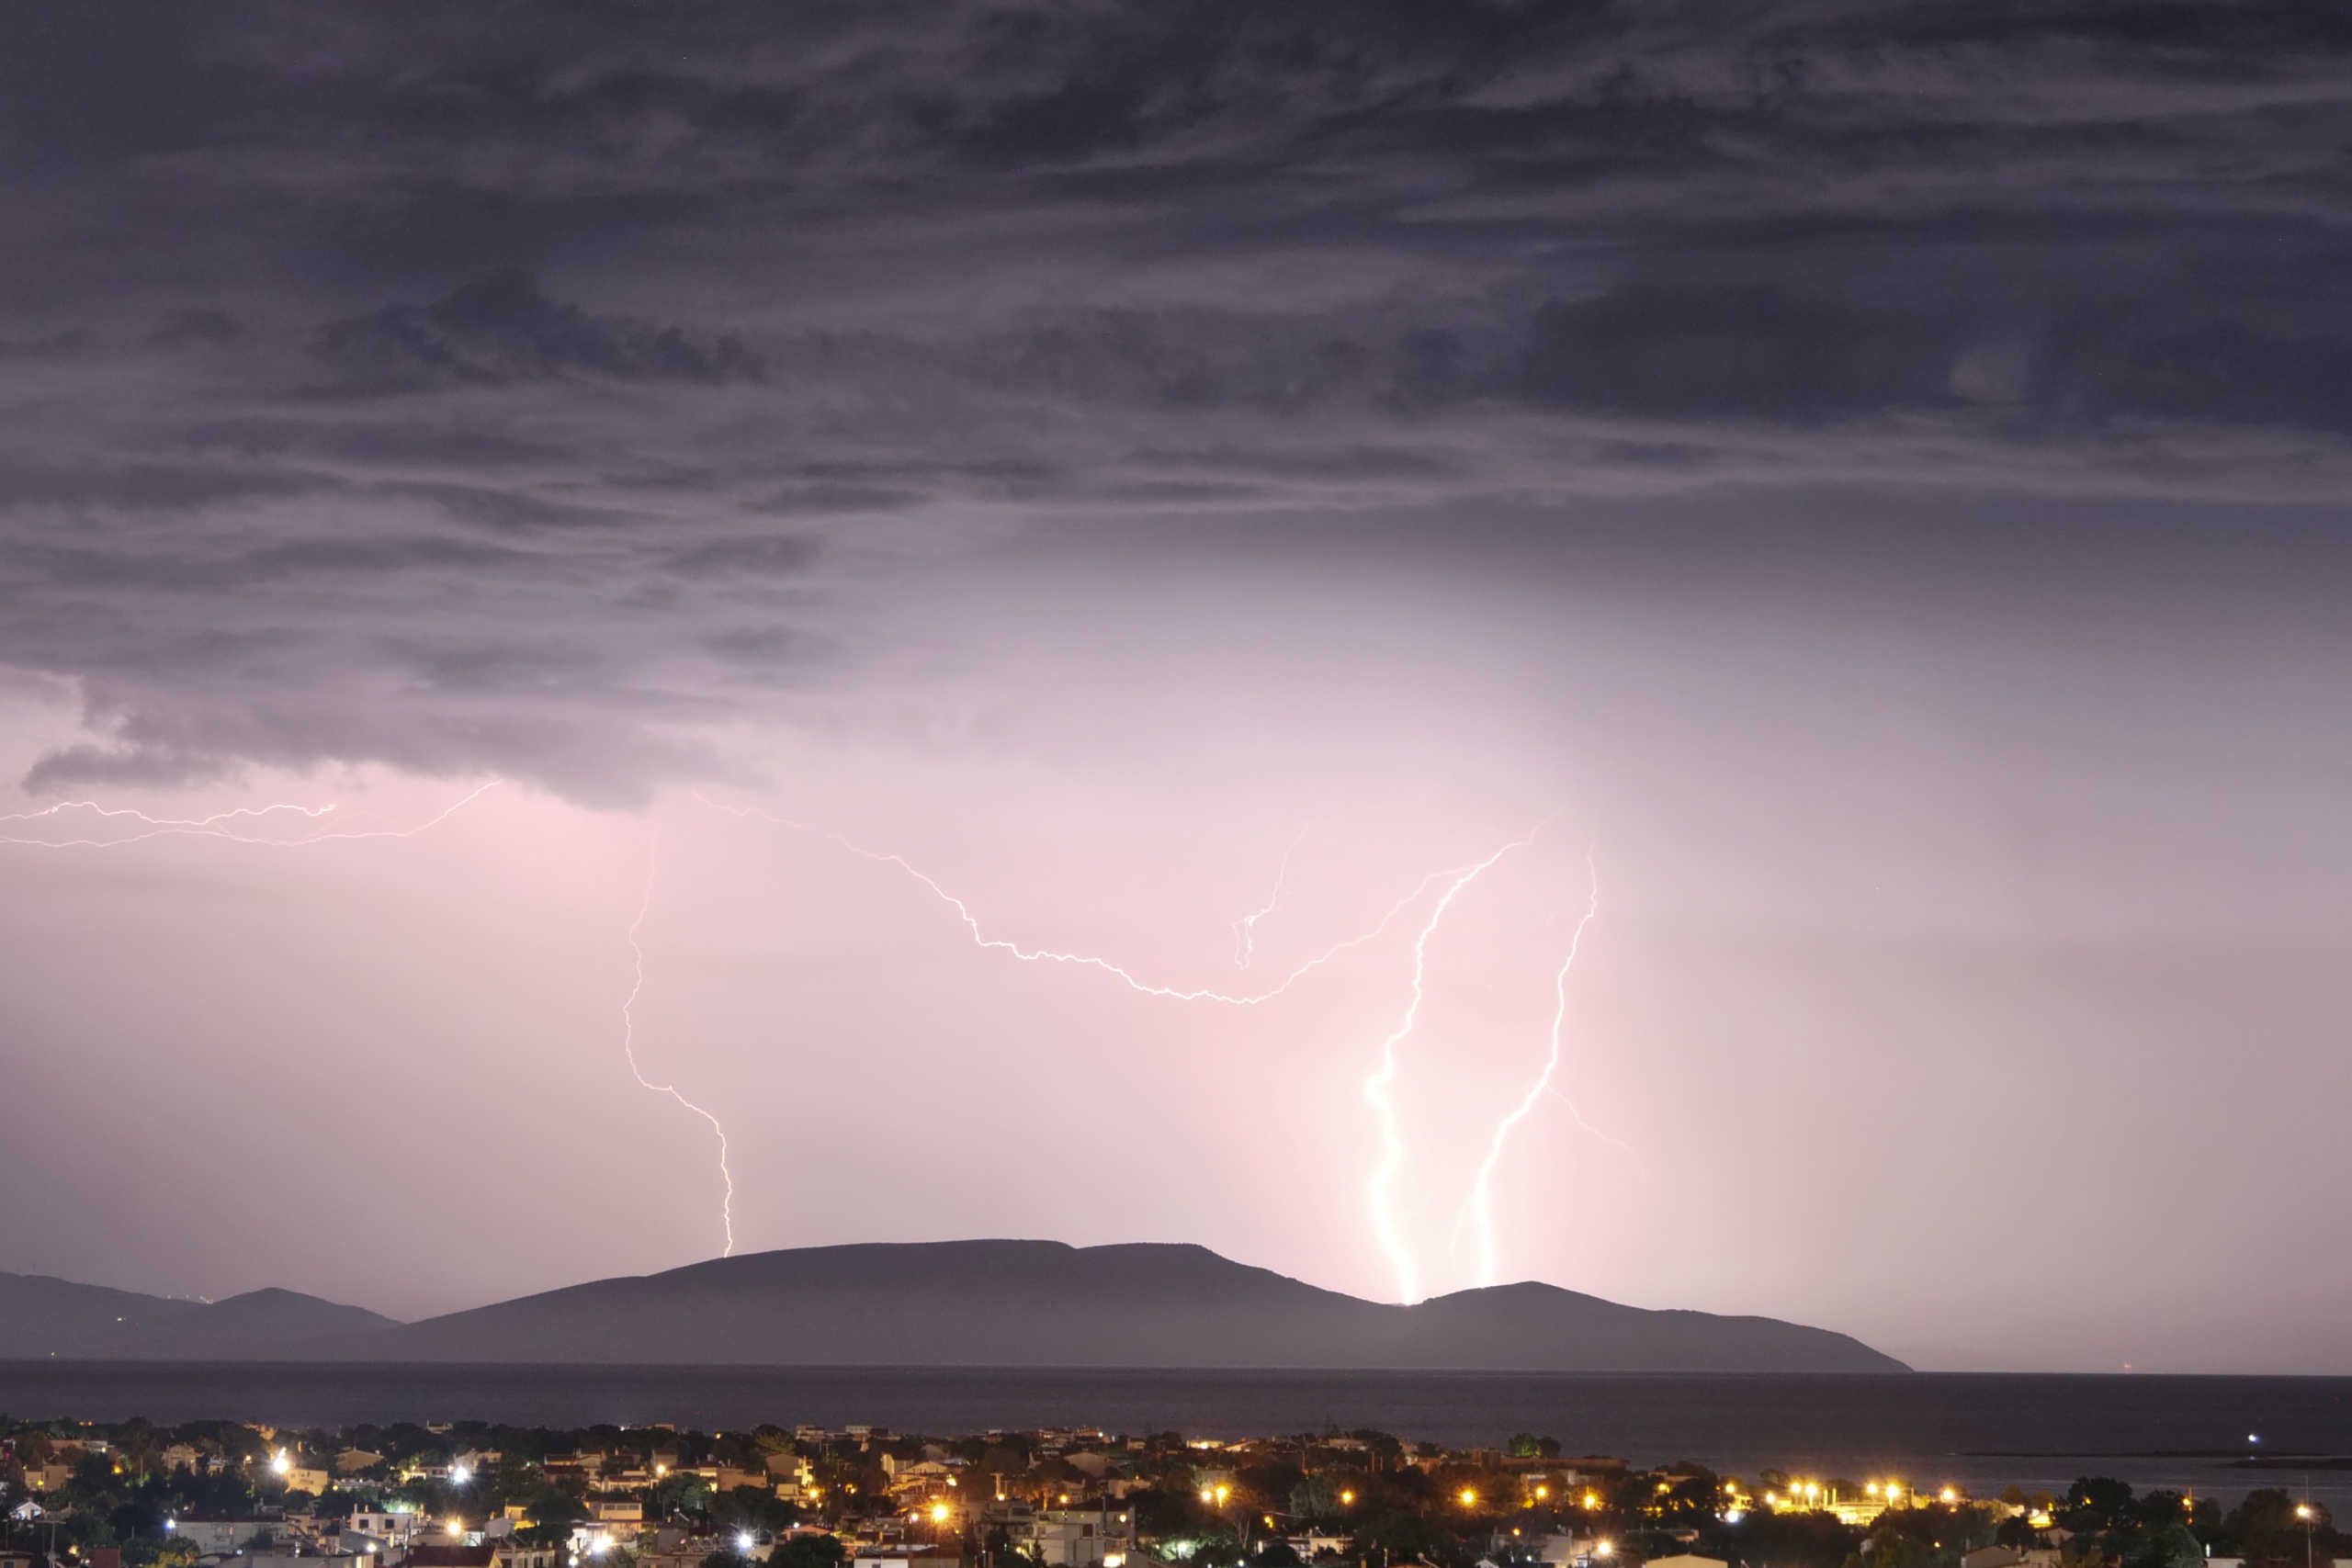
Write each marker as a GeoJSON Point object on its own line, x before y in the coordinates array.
{"type": "Point", "coordinates": [134, 1494]}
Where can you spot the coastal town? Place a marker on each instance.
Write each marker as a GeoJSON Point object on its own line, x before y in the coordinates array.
{"type": "Point", "coordinates": [223, 1494]}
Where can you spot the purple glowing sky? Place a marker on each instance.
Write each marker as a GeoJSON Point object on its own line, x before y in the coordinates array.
{"type": "Point", "coordinates": [1095, 453]}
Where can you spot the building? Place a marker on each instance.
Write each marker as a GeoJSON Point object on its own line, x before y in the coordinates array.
{"type": "Point", "coordinates": [401, 1529]}
{"type": "Point", "coordinates": [1101, 1537]}
{"type": "Point", "coordinates": [218, 1537]}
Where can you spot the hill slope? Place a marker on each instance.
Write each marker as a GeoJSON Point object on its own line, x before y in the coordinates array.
{"type": "Point", "coordinates": [42, 1317]}
{"type": "Point", "coordinates": [1044, 1303]}
{"type": "Point", "coordinates": [972, 1303]}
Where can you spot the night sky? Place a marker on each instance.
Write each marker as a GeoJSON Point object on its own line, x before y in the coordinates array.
{"type": "Point", "coordinates": [1854, 493]}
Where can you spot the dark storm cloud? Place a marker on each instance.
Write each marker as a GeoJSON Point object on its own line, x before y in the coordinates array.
{"type": "Point", "coordinates": [716, 306]}
{"type": "Point", "coordinates": [503, 328]}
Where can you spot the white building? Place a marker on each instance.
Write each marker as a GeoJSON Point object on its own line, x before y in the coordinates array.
{"type": "Point", "coordinates": [1077, 1537]}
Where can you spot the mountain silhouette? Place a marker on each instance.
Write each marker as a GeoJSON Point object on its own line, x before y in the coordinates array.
{"type": "Point", "coordinates": [965, 1303]}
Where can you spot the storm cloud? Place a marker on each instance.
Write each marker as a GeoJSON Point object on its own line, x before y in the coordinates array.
{"type": "Point", "coordinates": [670, 302]}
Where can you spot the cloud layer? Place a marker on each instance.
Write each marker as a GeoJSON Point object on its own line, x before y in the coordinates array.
{"type": "Point", "coordinates": [534, 391]}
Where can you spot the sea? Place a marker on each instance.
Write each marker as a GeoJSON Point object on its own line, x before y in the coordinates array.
{"type": "Point", "coordinates": [2208, 1435]}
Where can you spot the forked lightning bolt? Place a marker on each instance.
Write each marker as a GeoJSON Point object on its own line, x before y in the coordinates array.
{"type": "Point", "coordinates": [1378, 1088]}
{"type": "Point", "coordinates": [1083, 960]}
{"type": "Point", "coordinates": [213, 826]}
{"type": "Point", "coordinates": [628, 1045]}
{"type": "Point", "coordinates": [1482, 1188]}
{"type": "Point", "coordinates": [1245, 930]}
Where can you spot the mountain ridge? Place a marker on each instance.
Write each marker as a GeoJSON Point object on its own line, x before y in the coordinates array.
{"type": "Point", "coordinates": [983, 1303]}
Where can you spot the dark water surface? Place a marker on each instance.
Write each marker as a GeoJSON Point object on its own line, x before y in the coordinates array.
{"type": "Point", "coordinates": [1977, 1430]}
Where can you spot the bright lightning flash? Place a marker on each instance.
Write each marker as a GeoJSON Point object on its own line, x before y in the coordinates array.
{"type": "Point", "coordinates": [1378, 1090]}
{"type": "Point", "coordinates": [216, 826]}
{"type": "Point", "coordinates": [1046, 956]}
{"type": "Point", "coordinates": [1481, 1190]}
{"type": "Point", "coordinates": [628, 1046]}
{"type": "Point", "coordinates": [1245, 930]}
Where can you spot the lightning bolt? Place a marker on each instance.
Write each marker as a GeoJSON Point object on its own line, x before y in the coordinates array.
{"type": "Point", "coordinates": [1083, 960]}
{"type": "Point", "coordinates": [628, 1043]}
{"type": "Point", "coordinates": [1245, 930]}
{"type": "Point", "coordinates": [1377, 1089]}
{"type": "Point", "coordinates": [1481, 1189]}
{"type": "Point", "coordinates": [213, 826]}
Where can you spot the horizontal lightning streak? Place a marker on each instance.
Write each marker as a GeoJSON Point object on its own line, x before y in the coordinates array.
{"type": "Point", "coordinates": [210, 827]}
{"type": "Point", "coordinates": [1083, 960]}
{"type": "Point", "coordinates": [628, 1045]}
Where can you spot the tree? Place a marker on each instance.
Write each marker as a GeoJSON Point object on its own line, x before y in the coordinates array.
{"type": "Point", "coordinates": [2096, 1500]}
{"type": "Point", "coordinates": [808, 1551]}
{"type": "Point", "coordinates": [2169, 1545]}
{"type": "Point", "coordinates": [1276, 1554]}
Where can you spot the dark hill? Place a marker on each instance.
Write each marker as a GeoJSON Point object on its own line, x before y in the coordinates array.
{"type": "Point", "coordinates": [972, 1303]}
{"type": "Point", "coordinates": [41, 1316]}
{"type": "Point", "coordinates": [1013, 1304]}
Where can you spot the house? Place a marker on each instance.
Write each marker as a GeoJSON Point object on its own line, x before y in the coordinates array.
{"type": "Point", "coordinates": [618, 1511]}
{"type": "Point", "coordinates": [1320, 1543]}
{"type": "Point", "coordinates": [1571, 1551]}
{"type": "Point", "coordinates": [219, 1537]}
{"type": "Point", "coordinates": [351, 1461]}
{"type": "Point", "coordinates": [1992, 1557]}
{"type": "Point", "coordinates": [1100, 1537]}
{"type": "Point", "coordinates": [1687, 1560]}
{"type": "Point", "coordinates": [180, 1456]}
{"type": "Point", "coordinates": [920, 1477]}
{"type": "Point", "coordinates": [395, 1529]}
{"type": "Point", "coordinates": [511, 1554]}
{"type": "Point", "coordinates": [307, 1478]}
{"type": "Point", "coordinates": [308, 1560]}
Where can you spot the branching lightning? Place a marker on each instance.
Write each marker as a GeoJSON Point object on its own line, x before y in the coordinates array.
{"type": "Point", "coordinates": [216, 826]}
{"type": "Point", "coordinates": [1245, 930]}
{"type": "Point", "coordinates": [628, 1045]}
{"type": "Point", "coordinates": [1083, 960]}
{"type": "Point", "coordinates": [1378, 1089]}
{"type": "Point", "coordinates": [1481, 1189]}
